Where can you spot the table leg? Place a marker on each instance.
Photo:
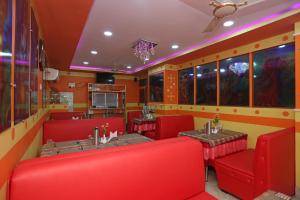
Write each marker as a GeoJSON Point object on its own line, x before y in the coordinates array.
{"type": "Point", "coordinates": [206, 173]}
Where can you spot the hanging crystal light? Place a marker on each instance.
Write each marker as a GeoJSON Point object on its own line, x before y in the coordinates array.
{"type": "Point", "coordinates": [143, 49]}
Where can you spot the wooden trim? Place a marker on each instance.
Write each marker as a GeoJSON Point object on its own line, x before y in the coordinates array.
{"type": "Point", "coordinates": [218, 83]}
{"type": "Point", "coordinates": [251, 85]}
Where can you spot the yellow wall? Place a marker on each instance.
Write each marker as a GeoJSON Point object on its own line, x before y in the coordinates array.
{"type": "Point", "coordinates": [21, 144]}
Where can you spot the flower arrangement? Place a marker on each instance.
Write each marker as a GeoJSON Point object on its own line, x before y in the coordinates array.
{"type": "Point", "coordinates": [104, 129]}
{"type": "Point", "coordinates": [216, 120]}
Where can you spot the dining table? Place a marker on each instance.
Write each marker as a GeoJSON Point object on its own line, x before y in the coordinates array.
{"type": "Point", "coordinates": [219, 144]}
{"type": "Point", "coordinates": [57, 148]}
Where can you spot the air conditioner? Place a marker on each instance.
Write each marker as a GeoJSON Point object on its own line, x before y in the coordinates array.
{"type": "Point", "coordinates": [50, 74]}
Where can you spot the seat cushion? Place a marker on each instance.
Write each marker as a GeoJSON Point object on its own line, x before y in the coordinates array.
{"type": "Point", "coordinates": [202, 196]}
{"type": "Point", "coordinates": [150, 134]}
{"type": "Point", "coordinates": [241, 161]}
{"type": "Point", "coordinates": [235, 173]}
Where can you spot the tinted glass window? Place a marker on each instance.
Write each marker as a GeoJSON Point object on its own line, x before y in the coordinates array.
{"type": "Point", "coordinates": [156, 82]}
{"type": "Point", "coordinates": [234, 81]}
{"type": "Point", "coordinates": [186, 86]}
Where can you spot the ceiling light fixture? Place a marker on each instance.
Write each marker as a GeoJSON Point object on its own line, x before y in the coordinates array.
{"type": "Point", "coordinates": [108, 33]}
{"type": "Point", "coordinates": [228, 23]}
{"type": "Point", "coordinates": [143, 49]}
{"type": "Point", "coordinates": [85, 62]}
{"type": "Point", "coordinates": [175, 46]}
{"type": "Point", "coordinates": [281, 46]}
{"type": "Point", "coordinates": [94, 52]}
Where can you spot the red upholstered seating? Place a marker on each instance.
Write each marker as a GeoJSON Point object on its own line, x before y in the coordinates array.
{"type": "Point", "coordinates": [271, 165]}
{"type": "Point", "coordinates": [63, 130]}
{"type": "Point", "coordinates": [170, 126]}
{"type": "Point", "coordinates": [130, 116]}
{"type": "Point", "coordinates": [162, 170]}
{"type": "Point", "coordinates": [66, 115]}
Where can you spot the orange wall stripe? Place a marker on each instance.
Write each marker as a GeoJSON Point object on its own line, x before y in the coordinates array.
{"type": "Point", "coordinates": [10, 160]}
{"type": "Point", "coordinates": [297, 127]}
{"type": "Point", "coordinates": [251, 86]}
{"type": "Point", "coordinates": [264, 121]}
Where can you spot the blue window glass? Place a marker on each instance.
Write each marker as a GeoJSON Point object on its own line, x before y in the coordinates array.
{"type": "Point", "coordinates": [274, 77]}
{"type": "Point", "coordinates": [156, 83]}
{"type": "Point", "coordinates": [207, 84]}
{"type": "Point", "coordinates": [234, 81]}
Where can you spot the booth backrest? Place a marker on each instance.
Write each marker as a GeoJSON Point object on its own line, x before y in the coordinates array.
{"type": "Point", "coordinates": [170, 126]}
{"type": "Point", "coordinates": [274, 162]}
{"type": "Point", "coordinates": [160, 170]}
{"type": "Point", "coordinates": [63, 130]}
{"type": "Point", "coordinates": [66, 115]}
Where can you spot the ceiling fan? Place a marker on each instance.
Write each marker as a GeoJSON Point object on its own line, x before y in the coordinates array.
{"type": "Point", "coordinates": [221, 10]}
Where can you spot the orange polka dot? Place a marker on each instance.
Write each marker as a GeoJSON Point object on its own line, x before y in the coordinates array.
{"type": "Point", "coordinates": [203, 108]}
{"type": "Point", "coordinates": [203, 60]}
{"type": "Point", "coordinates": [256, 46]}
{"type": "Point", "coordinates": [191, 108]}
{"type": "Point", "coordinates": [285, 113]}
{"type": "Point", "coordinates": [217, 109]}
{"type": "Point", "coordinates": [235, 52]}
{"type": "Point", "coordinates": [257, 112]}
{"type": "Point", "coordinates": [285, 38]}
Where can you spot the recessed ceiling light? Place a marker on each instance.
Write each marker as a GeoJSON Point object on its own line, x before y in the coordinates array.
{"type": "Point", "coordinates": [147, 59]}
{"type": "Point", "coordinates": [175, 46]}
{"type": "Point", "coordinates": [281, 46]}
{"type": "Point", "coordinates": [85, 62]}
{"type": "Point", "coordinates": [108, 33]}
{"type": "Point", "coordinates": [228, 23]}
{"type": "Point", "coordinates": [128, 67]}
{"type": "Point", "coordinates": [94, 52]}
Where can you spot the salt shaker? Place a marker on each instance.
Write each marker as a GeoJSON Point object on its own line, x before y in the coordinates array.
{"type": "Point", "coordinates": [96, 135]}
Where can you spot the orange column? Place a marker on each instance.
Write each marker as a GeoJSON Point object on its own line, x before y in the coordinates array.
{"type": "Point", "coordinates": [251, 86]}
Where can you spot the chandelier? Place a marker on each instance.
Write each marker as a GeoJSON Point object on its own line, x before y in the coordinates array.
{"type": "Point", "coordinates": [143, 49]}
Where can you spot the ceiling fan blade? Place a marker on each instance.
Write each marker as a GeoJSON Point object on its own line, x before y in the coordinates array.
{"type": "Point", "coordinates": [212, 25]}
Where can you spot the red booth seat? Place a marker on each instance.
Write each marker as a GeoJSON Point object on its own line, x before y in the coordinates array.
{"type": "Point", "coordinates": [130, 116]}
{"type": "Point", "coordinates": [161, 170]}
{"type": "Point", "coordinates": [63, 130]}
{"type": "Point", "coordinates": [271, 165]}
{"type": "Point", "coordinates": [170, 126]}
{"type": "Point", "coordinates": [66, 115]}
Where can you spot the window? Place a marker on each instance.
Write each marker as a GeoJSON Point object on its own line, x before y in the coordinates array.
{"type": "Point", "coordinates": [186, 86]}
{"type": "Point", "coordinates": [234, 81]}
{"type": "Point", "coordinates": [207, 84]}
{"type": "Point", "coordinates": [274, 81]}
{"type": "Point", "coordinates": [5, 63]}
{"type": "Point", "coordinates": [156, 82]}
{"type": "Point", "coordinates": [22, 95]}
{"type": "Point", "coordinates": [143, 90]}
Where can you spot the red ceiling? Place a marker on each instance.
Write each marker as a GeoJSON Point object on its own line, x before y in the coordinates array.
{"type": "Point", "coordinates": [61, 23]}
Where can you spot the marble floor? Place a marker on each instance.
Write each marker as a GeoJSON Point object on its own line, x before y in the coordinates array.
{"type": "Point", "coordinates": [212, 188]}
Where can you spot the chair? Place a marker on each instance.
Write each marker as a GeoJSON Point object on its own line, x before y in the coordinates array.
{"type": "Point", "coordinates": [271, 165]}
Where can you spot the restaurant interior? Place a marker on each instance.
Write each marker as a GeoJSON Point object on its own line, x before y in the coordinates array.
{"type": "Point", "coordinates": [149, 100]}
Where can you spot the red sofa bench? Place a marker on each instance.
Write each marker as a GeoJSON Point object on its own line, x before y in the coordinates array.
{"type": "Point", "coordinates": [170, 126]}
{"type": "Point", "coordinates": [161, 170]}
{"type": "Point", "coordinates": [271, 165]}
{"type": "Point", "coordinates": [66, 115]}
{"type": "Point", "coordinates": [64, 130]}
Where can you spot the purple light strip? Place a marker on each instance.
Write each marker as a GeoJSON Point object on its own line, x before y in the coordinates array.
{"type": "Point", "coordinates": [196, 46]}
{"type": "Point", "coordinates": [102, 69]}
